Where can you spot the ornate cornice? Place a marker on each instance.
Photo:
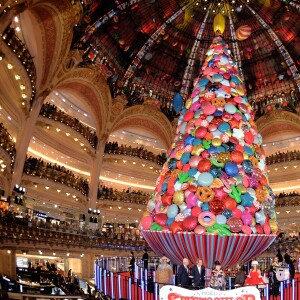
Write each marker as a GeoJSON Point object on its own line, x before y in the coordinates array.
{"type": "Point", "coordinates": [62, 145]}
{"type": "Point", "coordinates": [56, 20]}
{"type": "Point", "coordinates": [144, 116]}
{"type": "Point", "coordinates": [90, 86]}
{"type": "Point", "coordinates": [40, 193]}
{"type": "Point", "coordinates": [277, 117]}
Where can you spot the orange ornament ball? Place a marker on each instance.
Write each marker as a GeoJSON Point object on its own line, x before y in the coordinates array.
{"type": "Point", "coordinates": [204, 165]}
{"type": "Point", "coordinates": [230, 203]}
{"type": "Point", "coordinates": [237, 157]}
{"type": "Point", "coordinates": [243, 32]}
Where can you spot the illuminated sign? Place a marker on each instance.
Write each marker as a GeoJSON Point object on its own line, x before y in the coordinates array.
{"type": "Point", "coordinates": [169, 292]}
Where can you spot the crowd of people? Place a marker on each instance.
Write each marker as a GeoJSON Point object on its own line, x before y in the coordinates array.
{"type": "Point", "coordinates": [141, 152]}
{"type": "Point", "coordinates": [196, 277]}
{"type": "Point", "coordinates": [36, 222]}
{"type": "Point", "coordinates": [128, 195]}
{"type": "Point", "coordinates": [288, 199]}
{"type": "Point", "coordinates": [280, 157]}
{"type": "Point", "coordinates": [51, 111]}
{"type": "Point", "coordinates": [37, 167]}
{"type": "Point", "coordinates": [7, 143]}
{"type": "Point", "coordinates": [48, 274]}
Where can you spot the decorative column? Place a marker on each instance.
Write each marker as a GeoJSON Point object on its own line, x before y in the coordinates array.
{"type": "Point", "coordinates": [24, 137]}
{"type": "Point", "coordinates": [95, 173]}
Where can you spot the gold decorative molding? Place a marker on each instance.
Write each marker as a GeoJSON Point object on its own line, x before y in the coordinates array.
{"type": "Point", "coordinates": [284, 119]}
{"type": "Point", "coordinates": [147, 117]}
{"type": "Point", "coordinates": [56, 20]}
{"type": "Point", "coordinates": [87, 84]}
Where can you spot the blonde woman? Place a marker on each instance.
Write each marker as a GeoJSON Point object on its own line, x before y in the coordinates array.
{"type": "Point", "coordinates": [164, 272]}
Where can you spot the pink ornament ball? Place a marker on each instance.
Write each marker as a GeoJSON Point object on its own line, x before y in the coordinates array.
{"type": "Point", "coordinates": [246, 229]}
{"type": "Point", "coordinates": [199, 229]}
{"type": "Point", "coordinates": [146, 222]}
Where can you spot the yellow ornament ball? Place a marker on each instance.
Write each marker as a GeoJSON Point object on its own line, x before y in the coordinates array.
{"type": "Point", "coordinates": [178, 197]}
{"type": "Point", "coordinates": [216, 142]}
{"type": "Point", "coordinates": [273, 226]}
{"type": "Point", "coordinates": [188, 103]}
{"type": "Point", "coordinates": [219, 24]}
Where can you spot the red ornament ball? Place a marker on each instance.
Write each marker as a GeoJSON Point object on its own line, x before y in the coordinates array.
{"type": "Point", "coordinates": [237, 157]}
{"type": "Point", "coordinates": [237, 213]}
{"type": "Point", "coordinates": [196, 210]}
{"type": "Point", "coordinates": [235, 224]}
{"type": "Point", "coordinates": [190, 223]}
{"type": "Point", "coordinates": [161, 219]}
{"type": "Point", "coordinates": [204, 165]}
{"type": "Point", "coordinates": [200, 132]}
{"type": "Point", "coordinates": [188, 116]}
{"type": "Point", "coordinates": [216, 207]}
{"type": "Point", "coordinates": [230, 203]}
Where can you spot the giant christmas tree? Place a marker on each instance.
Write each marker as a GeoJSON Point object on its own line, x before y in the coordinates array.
{"type": "Point", "coordinates": [213, 189]}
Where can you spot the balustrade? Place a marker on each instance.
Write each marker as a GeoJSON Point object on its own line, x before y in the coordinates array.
{"type": "Point", "coordinates": [280, 157]}
{"type": "Point", "coordinates": [10, 230]}
{"type": "Point", "coordinates": [287, 101]}
{"type": "Point", "coordinates": [37, 167]}
{"type": "Point", "coordinates": [52, 112]}
{"type": "Point", "coordinates": [113, 195]}
{"type": "Point", "coordinates": [7, 142]}
{"type": "Point", "coordinates": [288, 200]}
{"type": "Point", "coordinates": [18, 47]}
{"type": "Point", "coordinates": [140, 152]}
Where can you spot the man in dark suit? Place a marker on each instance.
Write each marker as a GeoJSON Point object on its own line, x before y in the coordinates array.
{"type": "Point", "coordinates": [288, 260]}
{"type": "Point", "coordinates": [198, 272]}
{"type": "Point", "coordinates": [183, 273]}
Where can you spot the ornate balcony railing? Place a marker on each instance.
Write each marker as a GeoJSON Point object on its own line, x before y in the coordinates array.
{"type": "Point", "coordinates": [17, 46]}
{"type": "Point", "coordinates": [288, 200]}
{"type": "Point", "coordinates": [7, 143]}
{"type": "Point", "coordinates": [111, 195]}
{"type": "Point", "coordinates": [52, 112]}
{"type": "Point", "coordinates": [37, 167]}
{"type": "Point", "coordinates": [114, 148]}
{"type": "Point", "coordinates": [11, 231]}
{"type": "Point", "coordinates": [281, 157]}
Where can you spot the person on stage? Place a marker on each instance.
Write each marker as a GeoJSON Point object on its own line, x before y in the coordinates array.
{"type": "Point", "coordinates": [240, 276]}
{"type": "Point", "coordinates": [218, 280]}
{"type": "Point", "coordinates": [198, 272]}
{"type": "Point", "coordinates": [254, 277]}
{"type": "Point", "coordinates": [183, 273]}
{"type": "Point", "coordinates": [164, 272]}
{"type": "Point", "coordinates": [145, 259]}
{"type": "Point", "coordinates": [273, 279]}
{"type": "Point", "coordinates": [288, 258]}
{"type": "Point", "coordinates": [131, 265]}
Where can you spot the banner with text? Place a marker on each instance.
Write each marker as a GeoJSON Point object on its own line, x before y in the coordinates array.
{"type": "Point", "coordinates": [169, 292]}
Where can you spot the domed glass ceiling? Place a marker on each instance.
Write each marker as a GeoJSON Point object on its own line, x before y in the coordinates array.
{"type": "Point", "coordinates": [152, 49]}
